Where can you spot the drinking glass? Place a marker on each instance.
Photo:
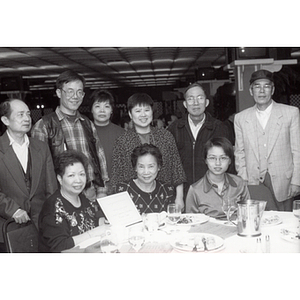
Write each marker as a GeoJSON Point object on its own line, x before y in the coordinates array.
{"type": "Point", "coordinates": [173, 213]}
{"type": "Point", "coordinates": [296, 209]}
{"type": "Point", "coordinates": [151, 221]}
{"type": "Point", "coordinates": [136, 237]}
{"type": "Point", "coordinates": [229, 207]}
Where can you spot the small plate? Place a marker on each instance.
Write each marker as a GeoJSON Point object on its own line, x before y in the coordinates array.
{"type": "Point", "coordinates": [291, 234]}
{"type": "Point", "coordinates": [186, 242]}
{"type": "Point", "coordinates": [270, 220]}
{"type": "Point", "coordinates": [191, 219]}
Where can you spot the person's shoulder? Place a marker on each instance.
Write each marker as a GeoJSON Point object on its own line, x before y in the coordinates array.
{"type": "Point", "coordinates": [198, 183]}
{"type": "Point", "coordinates": [117, 128]}
{"type": "Point", "coordinates": [51, 200]}
{"type": "Point", "coordinates": [237, 179]}
{"type": "Point", "coordinates": [244, 112]}
{"type": "Point", "coordinates": [38, 143]}
{"type": "Point", "coordinates": [285, 107]}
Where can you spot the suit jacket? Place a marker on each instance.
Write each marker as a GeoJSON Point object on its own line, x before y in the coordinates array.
{"type": "Point", "coordinates": [13, 191]}
{"type": "Point", "coordinates": [283, 155]}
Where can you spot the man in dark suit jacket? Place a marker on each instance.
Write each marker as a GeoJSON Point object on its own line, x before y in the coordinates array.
{"type": "Point", "coordinates": [27, 174]}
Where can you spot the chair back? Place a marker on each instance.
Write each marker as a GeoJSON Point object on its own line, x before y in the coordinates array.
{"type": "Point", "coordinates": [20, 238]}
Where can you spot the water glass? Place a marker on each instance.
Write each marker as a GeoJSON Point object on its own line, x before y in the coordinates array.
{"type": "Point", "coordinates": [296, 208]}
{"type": "Point", "coordinates": [136, 237]}
{"type": "Point", "coordinates": [174, 213]}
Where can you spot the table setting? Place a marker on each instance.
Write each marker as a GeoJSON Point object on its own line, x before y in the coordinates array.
{"type": "Point", "coordinates": [248, 229]}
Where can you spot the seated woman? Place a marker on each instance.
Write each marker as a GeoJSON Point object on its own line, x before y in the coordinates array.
{"type": "Point", "coordinates": [68, 217]}
{"type": "Point", "coordinates": [148, 194]}
{"type": "Point", "coordinates": [206, 195]}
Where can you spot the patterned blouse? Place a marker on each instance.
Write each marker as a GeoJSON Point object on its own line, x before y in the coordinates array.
{"type": "Point", "coordinates": [59, 221]}
{"type": "Point", "coordinates": [155, 201]}
{"type": "Point", "coordinates": [171, 172]}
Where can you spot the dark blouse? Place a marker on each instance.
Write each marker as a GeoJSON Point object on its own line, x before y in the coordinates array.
{"type": "Point", "coordinates": [155, 201]}
{"type": "Point", "coordinates": [171, 172]}
{"type": "Point", "coordinates": [59, 221]}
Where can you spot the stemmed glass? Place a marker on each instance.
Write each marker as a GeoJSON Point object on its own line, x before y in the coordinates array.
{"type": "Point", "coordinates": [229, 207]}
{"type": "Point", "coordinates": [136, 237]}
{"type": "Point", "coordinates": [174, 213]}
{"type": "Point", "coordinates": [296, 209]}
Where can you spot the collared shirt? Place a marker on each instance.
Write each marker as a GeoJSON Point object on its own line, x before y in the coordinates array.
{"type": "Point", "coordinates": [195, 128]}
{"type": "Point", "coordinates": [74, 138]}
{"type": "Point", "coordinates": [20, 150]}
{"type": "Point", "coordinates": [263, 116]}
{"type": "Point", "coordinates": [203, 198]}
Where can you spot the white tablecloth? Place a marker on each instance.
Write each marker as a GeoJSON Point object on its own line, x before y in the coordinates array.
{"type": "Point", "coordinates": [160, 241]}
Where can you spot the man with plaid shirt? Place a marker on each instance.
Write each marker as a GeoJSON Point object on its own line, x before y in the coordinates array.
{"type": "Point", "coordinates": [66, 129]}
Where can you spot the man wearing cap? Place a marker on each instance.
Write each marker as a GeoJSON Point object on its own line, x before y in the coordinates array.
{"type": "Point", "coordinates": [267, 148]}
{"type": "Point", "coordinates": [193, 130]}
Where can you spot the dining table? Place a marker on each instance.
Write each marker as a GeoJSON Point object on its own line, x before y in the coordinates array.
{"type": "Point", "coordinates": [279, 233]}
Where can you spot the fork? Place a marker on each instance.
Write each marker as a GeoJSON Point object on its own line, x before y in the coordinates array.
{"type": "Point", "coordinates": [204, 244]}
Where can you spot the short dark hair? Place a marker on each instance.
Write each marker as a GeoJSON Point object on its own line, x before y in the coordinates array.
{"type": "Point", "coordinates": [68, 158]}
{"type": "Point", "coordinates": [68, 76]}
{"type": "Point", "coordinates": [141, 99]}
{"type": "Point", "coordinates": [101, 96]}
{"type": "Point", "coordinates": [146, 149]}
{"type": "Point", "coordinates": [5, 107]}
{"type": "Point", "coordinates": [221, 142]}
{"type": "Point", "coordinates": [195, 84]}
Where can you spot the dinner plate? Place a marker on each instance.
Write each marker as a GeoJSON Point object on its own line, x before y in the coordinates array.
{"type": "Point", "coordinates": [270, 220]}
{"type": "Point", "coordinates": [190, 219]}
{"type": "Point", "coordinates": [186, 242]}
{"type": "Point", "coordinates": [290, 234]}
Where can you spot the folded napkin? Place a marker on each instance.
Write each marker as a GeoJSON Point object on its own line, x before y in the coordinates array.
{"type": "Point", "coordinates": [221, 230]}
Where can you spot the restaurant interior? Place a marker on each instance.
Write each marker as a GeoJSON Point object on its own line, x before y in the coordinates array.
{"type": "Point", "coordinates": [30, 73]}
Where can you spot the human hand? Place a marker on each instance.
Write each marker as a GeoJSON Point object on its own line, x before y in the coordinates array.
{"type": "Point", "coordinates": [98, 231]}
{"type": "Point", "coordinates": [294, 190]}
{"type": "Point", "coordinates": [180, 203]}
{"type": "Point", "coordinates": [21, 216]}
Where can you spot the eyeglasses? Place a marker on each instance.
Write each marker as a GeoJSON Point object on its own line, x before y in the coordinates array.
{"type": "Point", "coordinates": [71, 93]}
{"type": "Point", "coordinates": [264, 87]}
{"type": "Point", "coordinates": [222, 159]}
{"type": "Point", "coordinates": [191, 99]}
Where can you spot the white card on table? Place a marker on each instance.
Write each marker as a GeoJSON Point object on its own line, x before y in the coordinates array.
{"type": "Point", "coordinates": [120, 210]}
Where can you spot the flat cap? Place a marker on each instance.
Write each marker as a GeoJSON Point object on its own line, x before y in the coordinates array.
{"type": "Point", "coordinates": [261, 74]}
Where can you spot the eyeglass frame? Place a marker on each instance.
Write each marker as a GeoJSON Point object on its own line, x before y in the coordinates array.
{"type": "Point", "coordinates": [73, 94]}
{"type": "Point", "coordinates": [191, 99]}
{"type": "Point", "coordinates": [264, 87]}
{"type": "Point", "coordinates": [222, 159]}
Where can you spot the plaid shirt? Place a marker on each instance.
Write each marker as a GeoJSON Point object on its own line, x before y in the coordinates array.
{"type": "Point", "coordinates": [74, 138]}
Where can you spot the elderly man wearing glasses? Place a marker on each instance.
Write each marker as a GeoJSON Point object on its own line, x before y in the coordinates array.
{"type": "Point", "coordinates": [67, 129]}
{"type": "Point", "coordinates": [193, 131]}
{"type": "Point", "coordinates": [267, 148]}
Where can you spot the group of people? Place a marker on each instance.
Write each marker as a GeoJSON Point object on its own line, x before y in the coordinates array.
{"type": "Point", "coordinates": [53, 173]}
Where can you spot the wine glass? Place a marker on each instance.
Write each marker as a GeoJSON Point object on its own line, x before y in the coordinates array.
{"type": "Point", "coordinates": [174, 213]}
{"type": "Point", "coordinates": [136, 237]}
{"type": "Point", "coordinates": [229, 207]}
{"type": "Point", "coordinates": [296, 209]}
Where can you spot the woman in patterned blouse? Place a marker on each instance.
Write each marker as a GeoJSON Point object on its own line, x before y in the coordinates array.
{"type": "Point", "coordinates": [140, 110]}
{"type": "Point", "coordinates": [68, 217]}
{"type": "Point", "coordinates": [148, 194]}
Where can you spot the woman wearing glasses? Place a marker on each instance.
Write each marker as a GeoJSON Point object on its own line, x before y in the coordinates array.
{"type": "Point", "coordinates": [207, 194]}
